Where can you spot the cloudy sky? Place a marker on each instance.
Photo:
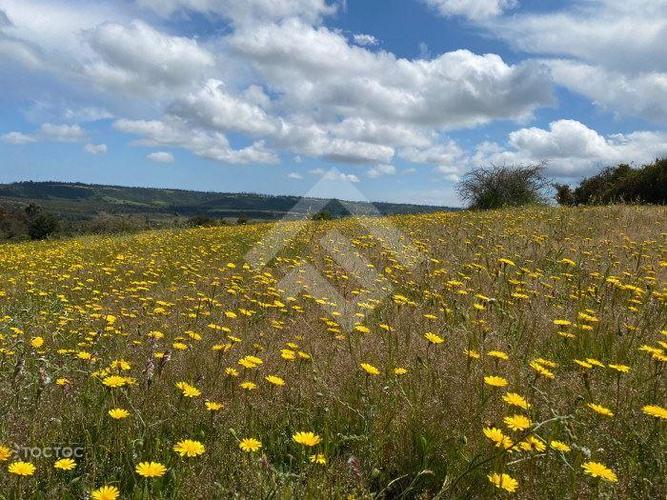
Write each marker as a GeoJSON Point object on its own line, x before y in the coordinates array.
{"type": "Point", "coordinates": [400, 96]}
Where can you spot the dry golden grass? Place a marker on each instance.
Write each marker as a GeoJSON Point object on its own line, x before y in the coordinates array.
{"type": "Point", "coordinates": [165, 307]}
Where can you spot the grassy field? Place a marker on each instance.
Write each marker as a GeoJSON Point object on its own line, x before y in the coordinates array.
{"type": "Point", "coordinates": [517, 353]}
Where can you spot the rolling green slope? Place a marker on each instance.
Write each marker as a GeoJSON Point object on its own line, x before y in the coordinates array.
{"type": "Point", "coordinates": [75, 201]}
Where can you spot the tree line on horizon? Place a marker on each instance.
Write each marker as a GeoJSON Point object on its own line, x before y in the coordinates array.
{"type": "Point", "coordinates": [619, 184]}
{"type": "Point", "coordinates": [513, 186]}
{"type": "Point", "coordinates": [483, 188]}
{"type": "Point", "coordinates": [33, 222]}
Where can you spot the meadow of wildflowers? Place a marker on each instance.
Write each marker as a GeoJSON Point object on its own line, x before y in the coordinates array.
{"type": "Point", "coordinates": [523, 354]}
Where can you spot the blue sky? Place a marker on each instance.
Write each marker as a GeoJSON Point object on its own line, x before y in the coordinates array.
{"type": "Point", "coordinates": [401, 97]}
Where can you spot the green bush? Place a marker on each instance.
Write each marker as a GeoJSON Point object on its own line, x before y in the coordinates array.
{"type": "Point", "coordinates": [504, 186]}
{"type": "Point", "coordinates": [42, 226]}
{"type": "Point", "coordinates": [201, 221]}
{"type": "Point", "coordinates": [322, 215]}
{"type": "Point", "coordinates": [624, 184]}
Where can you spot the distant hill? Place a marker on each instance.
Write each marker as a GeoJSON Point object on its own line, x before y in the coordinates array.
{"type": "Point", "coordinates": [77, 201]}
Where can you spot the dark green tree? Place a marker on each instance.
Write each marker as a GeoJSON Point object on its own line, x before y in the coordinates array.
{"type": "Point", "coordinates": [564, 194]}
{"type": "Point", "coordinates": [42, 226]}
{"type": "Point", "coordinates": [624, 184]}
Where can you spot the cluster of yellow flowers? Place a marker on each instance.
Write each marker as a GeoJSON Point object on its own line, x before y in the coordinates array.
{"type": "Point", "coordinates": [525, 348]}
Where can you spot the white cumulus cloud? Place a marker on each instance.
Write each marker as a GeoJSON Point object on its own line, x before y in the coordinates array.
{"type": "Point", "coordinates": [334, 175]}
{"type": "Point", "coordinates": [246, 11]}
{"type": "Point", "coordinates": [161, 157]}
{"type": "Point", "coordinates": [572, 149]}
{"type": "Point", "coordinates": [316, 69]}
{"type": "Point", "coordinates": [214, 107]}
{"type": "Point", "coordinates": [380, 170]}
{"type": "Point", "coordinates": [17, 138]}
{"type": "Point", "coordinates": [275, 76]}
{"type": "Point", "coordinates": [62, 133]}
{"type": "Point", "coordinates": [611, 51]}
{"type": "Point", "coordinates": [631, 94]}
{"type": "Point", "coordinates": [365, 40]}
{"type": "Point", "coordinates": [205, 143]}
{"type": "Point", "coordinates": [472, 9]}
{"type": "Point", "coordinates": [282, 83]}
{"type": "Point", "coordinates": [96, 149]}
{"type": "Point", "coordinates": [139, 59]}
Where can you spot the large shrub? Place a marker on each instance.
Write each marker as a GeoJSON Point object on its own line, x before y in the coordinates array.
{"type": "Point", "coordinates": [504, 186]}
